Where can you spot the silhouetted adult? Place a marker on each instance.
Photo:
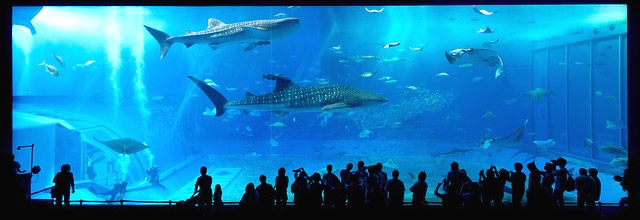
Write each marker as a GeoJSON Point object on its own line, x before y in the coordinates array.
{"type": "Point", "coordinates": [265, 194]}
{"type": "Point", "coordinates": [362, 175]}
{"type": "Point", "coordinates": [471, 197]}
{"type": "Point", "coordinates": [488, 185]}
{"type": "Point", "coordinates": [419, 190]}
{"type": "Point", "coordinates": [91, 171]}
{"type": "Point", "coordinates": [593, 173]}
{"type": "Point", "coordinates": [204, 184]}
{"type": "Point", "coordinates": [119, 190]}
{"type": "Point", "coordinates": [561, 176]}
{"type": "Point", "coordinates": [332, 187]}
{"type": "Point", "coordinates": [315, 192]}
{"type": "Point", "coordinates": [63, 184]}
{"type": "Point", "coordinates": [383, 179]}
{"type": "Point", "coordinates": [517, 180]}
{"type": "Point", "coordinates": [249, 201]}
{"type": "Point", "coordinates": [371, 198]}
{"type": "Point", "coordinates": [501, 180]}
{"type": "Point", "coordinates": [299, 188]}
{"type": "Point", "coordinates": [355, 193]}
{"type": "Point", "coordinates": [546, 195]}
{"type": "Point", "coordinates": [395, 190]}
{"type": "Point", "coordinates": [153, 176]}
{"type": "Point", "coordinates": [534, 190]}
{"type": "Point", "coordinates": [344, 174]}
{"type": "Point", "coordinates": [282, 182]}
{"type": "Point", "coordinates": [455, 179]}
{"type": "Point", "coordinates": [585, 185]}
{"type": "Point", "coordinates": [15, 166]}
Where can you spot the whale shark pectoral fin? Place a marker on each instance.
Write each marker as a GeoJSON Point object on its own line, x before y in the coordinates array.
{"type": "Point", "coordinates": [251, 46]}
{"type": "Point", "coordinates": [213, 46]}
{"type": "Point", "coordinates": [251, 29]}
{"type": "Point", "coordinates": [188, 44]}
{"type": "Point", "coordinates": [450, 58]}
{"type": "Point", "coordinates": [280, 114]}
{"type": "Point", "coordinates": [335, 106]}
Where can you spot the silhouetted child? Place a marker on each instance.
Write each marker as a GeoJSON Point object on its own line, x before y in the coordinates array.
{"type": "Point", "coordinates": [593, 173]}
{"type": "Point", "coordinates": [561, 180]}
{"type": "Point", "coordinates": [265, 194]}
{"type": "Point", "coordinates": [535, 188]}
{"type": "Point", "coordinates": [204, 183]}
{"type": "Point", "coordinates": [217, 197]}
{"type": "Point", "coordinates": [63, 184]}
{"type": "Point", "coordinates": [419, 190]}
{"type": "Point", "coordinates": [517, 180]}
{"type": "Point", "coordinates": [395, 190]}
{"type": "Point", "coordinates": [546, 195]}
{"type": "Point", "coordinates": [282, 182]}
{"type": "Point", "coordinates": [585, 185]}
{"type": "Point", "coordinates": [501, 180]}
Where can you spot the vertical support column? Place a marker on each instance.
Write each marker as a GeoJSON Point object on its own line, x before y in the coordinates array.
{"type": "Point", "coordinates": [549, 135]}
{"type": "Point", "coordinates": [620, 85]}
{"type": "Point", "coordinates": [591, 96]}
{"type": "Point", "coordinates": [532, 82]}
{"type": "Point", "coordinates": [566, 86]}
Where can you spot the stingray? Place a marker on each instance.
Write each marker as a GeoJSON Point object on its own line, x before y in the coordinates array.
{"type": "Point", "coordinates": [511, 140]}
{"type": "Point", "coordinates": [124, 145]}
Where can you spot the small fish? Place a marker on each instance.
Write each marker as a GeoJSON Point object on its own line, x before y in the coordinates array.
{"type": "Point", "coordinates": [280, 15]}
{"type": "Point", "coordinates": [277, 124]}
{"type": "Point", "coordinates": [293, 7]}
{"type": "Point", "coordinates": [384, 78]}
{"type": "Point", "coordinates": [588, 143]}
{"type": "Point", "coordinates": [305, 81]}
{"type": "Point", "coordinates": [490, 43]}
{"type": "Point", "coordinates": [248, 128]}
{"type": "Point", "coordinates": [231, 89]}
{"type": "Point", "coordinates": [615, 125]}
{"type": "Point", "coordinates": [58, 59]}
{"type": "Point", "coordinates": [343, 61]}
{"type": "Point", "coordinates": [391, 81]}
{"type": "Point", "coordinates": [337, 47]}
{"type": "Point", "coordinates": [509, 101]}
{"type": "Point", "coordinates": [477, 78]}
{"type": "Point", "coordinates": [489, 114]}
{"type": "Point", "coordinates": [562, 63]}
{"type": "Point", "coordinates": [544, 145]}
{"type": "Point", "coordinates": [294, 119]}
{"type": "Point", "coordinates": [392, 44]}
{"type": "Point", "coordinates": [621, 162]}
{"type": "Point", "coordinates": [88, 63]}
{"type": "Point", "coordinates": [50, 69]}
{"type": "Point", "coordinates": [364, 133]}
{"type": "Point", "coordinates": [415, 48]}
{"type": "Point", "coordinates": [612, 27]}
{"type": "Point", "coordinates": [579, 63]}
{"type": "Point", "coordinates": [209, 112]}
{"type": "Point", "coordinates": [466, 65]}
{"type": "Point", "coordinates": [485, 31]}
{"type": "Point", "coordinates": [598, 93]}
{"type": "Point", "coordinates": [373, 10]}
{"type": "Point", "coordinates": [323, 82]}
{"type": "Point", "coordinates": [442, 74]}
{"type": "Point", "coordinates": [255, 113]}
{"type": "Point", "coordinates": [412, 87]}
{"type": "Point", "coordinates": [211, 83]}
{"type": "Point", "coordinates": [611, 97]}
{"type": "Point", "coordinates": [596, 31]}
{"type": "Point", "coordinates": [368, 74]}
{"type": "Point", "coordinates": [273, 142]}
{"type": "Point", "coordinates": [452, 19]}
{"type": "Point", "coordinates": [482, 11]}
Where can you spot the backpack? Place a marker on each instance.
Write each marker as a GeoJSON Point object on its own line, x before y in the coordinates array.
{"type": "Point", "coordinates": [571, 183]}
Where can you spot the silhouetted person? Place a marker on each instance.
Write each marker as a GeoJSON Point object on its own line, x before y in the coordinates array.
{"type": "Point", "coordinates": [63, 184]}
{"type": "Point", "coordinates": [14, 189]}
{"type": "Point", "coordinates": [471, 196]}
{"type": "Point", "coordinates": [332, 187]}
{"type": "Point", "coordinates": [204, 184]}
{"type": "Point", "coordinates": [455, 179]}
{"type": "Point", "coordinates": [585, 185]}
{"type": "Point", "coordinates": [443, 196]}
{"type": "Point", "coordinates": [249, 201]}
{"type": "Point", "coordinates": [624, 183]}
{"type": "Point", "coordinates": [153, 176]}
{"type": "Point", "coordinates": [371, 198]}
{"type": "Point", "coordinates": [265, 194]}
{"type": "Point", "coordinates": [395, 190]}
{"type": "Point", "coordinates": [119, 190]}
{"type": "Point", "coordinates": [91, 171]}
{"type": "Point", "coordinates": [517, 180]}
{"type": "Point", "coordinates": [362, 175]}
{"type": "Point", "coordinates": [561, 182]}
{"type": "Point", "coordinates": [217, 197]}
{"type": "Point", "coordinates": [534, 190]}
{"type": "Point", "coordinates": [282, 182]}
{"type": "Point", "coordinates": [15, 166]}
{"type": "Point", "coordinates": [546, 196]}
{"type": "Point", "coordinates": [593, 173]}
{"type": "Point", "coordinates": [344, 174]}
{"type": "Point", "coordinates": [489, 185]}
{"type": "Point", "coordinates": [383, 179]}
{"type": "Point", "coordinates": [299, 188]}
{"type": "Point", "coordinates": [501, 180]}
{"type": "Point", "coordinates": [419, 190]}
{"type": "Point", "coordinates": [354, 193]}
{"type": "Point", "coordinates": [315, 191]}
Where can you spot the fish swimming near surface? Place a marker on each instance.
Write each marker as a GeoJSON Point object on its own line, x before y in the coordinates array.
{"type": "Point", "coordinates": [392, 44]}
{"type": "Point", "coordinates": [290, 97]}
{"type": "Point", "coordinates": [538, 93]}
{"type": "Point", "coordinates": [482, 11]}
{"type": "Point", "coordinates": [217, 34]}
{"type": "Point", "coordinates": [511, 140]}
{"type": "Point", "coordinates": [476, 56]}
{"type": "Point", "coordinates": [373, 10]}
{"type": "Point", "coordinates": [490, 43]}
{"type": "Point", "coordinates": [58, 59]}
{"type": "Point", "coordinates": [23, 15]}
{"type": "Point", "coordinates": [280, 15]}
{"type": "Point", "coordinates": [124, 145]}
{"type": "Point", "coordinates": [50, 69]}
{"type": "Point", "coordinates": [486, 30]}
{"type": "Point", "coordinates": [88, 63]}
{"type": "Point", "coordinates": [544, 145]}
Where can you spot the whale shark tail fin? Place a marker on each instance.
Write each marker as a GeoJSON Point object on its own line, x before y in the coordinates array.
{"type": "Point", "coordinates": [218, 99]}
{"type": "Point", "coordinates": [162, 38]}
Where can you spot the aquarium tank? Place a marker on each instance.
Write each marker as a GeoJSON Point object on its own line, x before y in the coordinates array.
{"type": "Point", "coordinates": [143, 97]}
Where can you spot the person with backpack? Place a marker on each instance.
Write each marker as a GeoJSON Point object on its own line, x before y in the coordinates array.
{"type": "Point", "coordinates": [564, 182]}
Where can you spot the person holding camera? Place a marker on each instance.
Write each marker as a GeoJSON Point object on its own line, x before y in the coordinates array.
{"type": "Point", "coordinates": [299, 188]}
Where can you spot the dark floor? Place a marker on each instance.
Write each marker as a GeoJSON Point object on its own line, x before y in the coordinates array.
{"type": "Point", "coordinates": [148, 212]}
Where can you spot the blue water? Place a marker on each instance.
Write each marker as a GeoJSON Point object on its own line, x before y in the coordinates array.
{"type": "Point", "coordinates": [128, 91]}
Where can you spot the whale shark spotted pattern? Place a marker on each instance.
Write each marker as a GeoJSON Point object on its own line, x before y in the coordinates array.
{"type": "Point", "coordinates": [289, 97]}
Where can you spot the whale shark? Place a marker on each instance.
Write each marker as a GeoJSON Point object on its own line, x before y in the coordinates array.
{"type": "Point", "coordinates": [476, 56]}
{"type": "Point", "coordinates": [124, 145]}
{"type": "Point", "coordinates": [511, 140]}
{"type": "Point", "coordinates": [23, 16]}
{"type": "Point", "coordinates": [289, 97]}
{"type": "Point", "coordinates": [217, 34]}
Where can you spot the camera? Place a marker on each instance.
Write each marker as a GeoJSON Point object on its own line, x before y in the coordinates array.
{"type": "Point", "coordinates": [298, 170]}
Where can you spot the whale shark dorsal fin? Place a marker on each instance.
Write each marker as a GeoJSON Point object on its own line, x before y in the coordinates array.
{"type": "Point", "coordinates": [488, 29]}
{"type": "Point", "coordinates": [248, 94]}
{"type": "Point", "coordinates": [282, 82]}
{"type": "Point", "coordinates": [212, 23]}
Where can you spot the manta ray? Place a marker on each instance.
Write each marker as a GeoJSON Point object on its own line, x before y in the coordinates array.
{"type": "Point", "coordinates": [23, 16]}
{"type": "Point", "coordinates": [511, 140]}
{"type": "Point", "coordinates": [124, 145]}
